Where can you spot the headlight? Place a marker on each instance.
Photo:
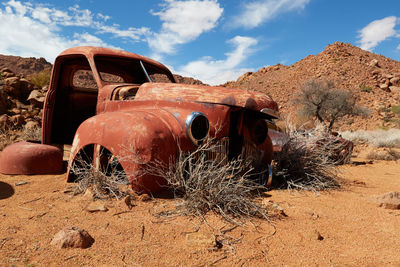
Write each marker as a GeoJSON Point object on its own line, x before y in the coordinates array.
{"type": "Point", "coordinates": [197, 127]}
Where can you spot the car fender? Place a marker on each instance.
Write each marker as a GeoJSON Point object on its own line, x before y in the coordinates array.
{"type": "Point", "coordinates": [135, 138]}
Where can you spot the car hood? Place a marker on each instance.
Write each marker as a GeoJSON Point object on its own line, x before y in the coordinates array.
{"type": "Point", "coordinates": [207, 94]}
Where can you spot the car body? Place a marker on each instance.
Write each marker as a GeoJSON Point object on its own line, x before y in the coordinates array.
{"type": "Point", "coordinates": [102, 99]}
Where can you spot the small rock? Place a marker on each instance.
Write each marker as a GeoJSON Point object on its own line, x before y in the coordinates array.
{"type": "Point", "coordinates": [274, 207]}
{"type": "Point", "coordinates": [375, 72]}
{"type": "Point", "coordinates": [374, 63]}
{"type": "Point", "coordinates": [129, 201]}
{"type": "Point", "coordinates": [394, 89]}
{"type": "Point", "coordinates": [72, 237]}
{"type": "Point", "coordinates": [389, 200]}
{"type": "Point", "coordinates": [95, 207]}
{"type": "Point", "coordinates": [388, 76]}
{"type": "Point", "coordinates": [15, 111]}
{"type": "Point", "coordinates": [206, 240]}
{"type": "Point", "coordinates": [89, 194]}
{"type": "Point", "coordinates": [17, 120]}
{"type": "Point", "coordinates": [144, 197]}
{"type": "Point", "coordinates": [318, 236]}
{"type": "Point", "coordinates": [384, 86]}
{"type": "Point", "coordinates": [395, 81]}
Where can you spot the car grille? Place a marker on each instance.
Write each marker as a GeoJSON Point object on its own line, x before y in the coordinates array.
{"type": "Point", "coordinates": [220, 152]}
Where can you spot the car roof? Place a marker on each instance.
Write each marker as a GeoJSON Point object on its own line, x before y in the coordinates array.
{"type": "Point", "coordinates": [91, 51]}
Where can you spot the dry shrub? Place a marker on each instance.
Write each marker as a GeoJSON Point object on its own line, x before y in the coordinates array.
{"type": "Point", "coordinates": [383, 154]}
{"type": "Point", "coordinates": [107, 181]}
{"type": "Point", "coordinates": [6, 138]}
{"type": "Point", "coordinates": [16, 134]}
{"type": "Point", "coordinates": [204, 180]}
{"type": "Point", "coordinates": [33, 134]}
{"type": "Point", "coordinates": [378, 138]}
{"type": "Point", "coordinates": [307, 161]}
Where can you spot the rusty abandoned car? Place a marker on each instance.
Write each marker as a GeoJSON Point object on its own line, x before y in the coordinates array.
{"type": "Point", "coordinates": [111, 102]}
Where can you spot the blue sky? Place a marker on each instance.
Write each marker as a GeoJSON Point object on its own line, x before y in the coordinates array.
{"type": "Point", "coordinates": [211, 40]}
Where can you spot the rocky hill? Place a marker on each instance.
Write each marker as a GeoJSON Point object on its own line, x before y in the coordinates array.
{"type": "Point", "coordinates": [23, 66]}
{"type": "Point", "coordinates": [373, 78]}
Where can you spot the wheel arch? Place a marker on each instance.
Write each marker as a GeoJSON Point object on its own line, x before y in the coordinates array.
{"type": "Point", "coordinates": [134, 138]}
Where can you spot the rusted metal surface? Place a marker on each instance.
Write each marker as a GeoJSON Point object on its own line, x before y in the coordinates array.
{"type": "Point", "coordinates": [207, 94]}
{"type": "Point", "coordinates": [31, 158]}
{"type": "Point", "coordinates": [139, 121]}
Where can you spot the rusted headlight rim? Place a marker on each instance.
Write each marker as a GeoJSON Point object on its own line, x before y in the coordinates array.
{"type": "Point", "coordinates": [192, 120]}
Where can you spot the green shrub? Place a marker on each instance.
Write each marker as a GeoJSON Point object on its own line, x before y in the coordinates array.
{"type": "Point", "coordinates": [41, 78]}
{"type": "Point", "coordinates": [396, 109]}
{"type": "Point", "coordinates": [365, 88]}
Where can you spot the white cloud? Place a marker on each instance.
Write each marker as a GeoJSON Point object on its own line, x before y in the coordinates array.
{"type": "Point", "coordinates": [87, 39]}
{"type": "Point", "coordinates": [134, 34]}
{"type": "Point", "coordinates": [184, 21]}
{"type": "Point", "coordinates": [215, 72]}
{"type": "Point", "coordinates": [257, 12]}
{"type": "Point", "coordinates": [377, 31]}
{"type": "Point", "coordinates": [36, 30]}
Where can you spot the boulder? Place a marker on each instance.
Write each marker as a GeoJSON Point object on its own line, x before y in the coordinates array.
{"type": "Point", "coordinates": [18, 88]}
{"type": "Point", "coordinates": [36, 98]}
{"type": "Point", "coordinates": [72, 237]}
{"type": "Point", "coordinates": [26, 88]}
{"type": "Point", "coordinates": [13, 87]}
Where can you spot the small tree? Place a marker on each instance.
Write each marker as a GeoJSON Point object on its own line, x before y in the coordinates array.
{"type": "Point", "coordinates": [320, 99]}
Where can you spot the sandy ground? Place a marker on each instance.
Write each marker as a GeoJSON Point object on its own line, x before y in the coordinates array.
{"type": "Point", "coordinates": [337, 228]}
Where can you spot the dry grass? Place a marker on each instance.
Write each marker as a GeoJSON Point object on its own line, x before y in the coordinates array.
{"type": "Point", "coordinates": [13, 135]}
{"type": "Point", "coordinates": [307, 161]}
{"type": "Point", "coordinates": [105, 182]}
{"type": "Point", "coordinates": [378, 138]}
{"type": "Point", "coordinates": [204, 180]}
